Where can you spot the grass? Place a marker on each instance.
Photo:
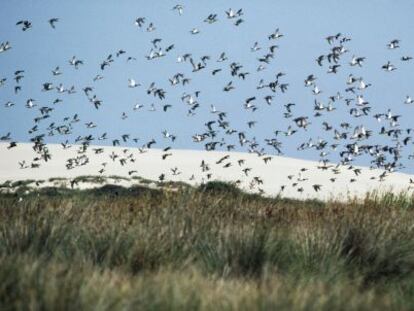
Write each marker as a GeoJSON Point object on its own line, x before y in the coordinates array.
{"type": "Point", "coordinates": [210, 248]}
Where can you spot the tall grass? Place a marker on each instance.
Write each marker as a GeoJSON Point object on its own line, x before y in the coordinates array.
{"type": "Point", "coordinates": [212, 248]}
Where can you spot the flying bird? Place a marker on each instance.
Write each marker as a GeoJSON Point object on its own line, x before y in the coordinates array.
{"type": "Point", "coordinates": [53, 21]}
{"type": "Point", "coordinates": [25, 24]}
{"type": "Point", "coordinates": [179, 8]}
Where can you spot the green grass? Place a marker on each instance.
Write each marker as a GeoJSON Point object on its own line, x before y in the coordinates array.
{"type": "Point", "coordinates": [118, 178]}
{"type": "Point", "coordinates": [6, 184]}
{"type": "Point", "coordinates": [210, 248]}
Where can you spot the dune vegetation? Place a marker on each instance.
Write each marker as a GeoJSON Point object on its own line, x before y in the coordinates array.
{"type": "Point", "coordinates": [206, 248]}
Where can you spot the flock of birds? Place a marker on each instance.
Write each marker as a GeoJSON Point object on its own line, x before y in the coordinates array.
{"type": "Point", "coordinates": [344, 139]}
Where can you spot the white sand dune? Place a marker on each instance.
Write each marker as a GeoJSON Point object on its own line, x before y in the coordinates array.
{"type": "Point", "coordinates": [150, 165]}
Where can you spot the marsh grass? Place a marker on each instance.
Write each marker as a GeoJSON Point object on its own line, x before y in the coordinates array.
{"type": "Point", "coordinates": [210, 248]}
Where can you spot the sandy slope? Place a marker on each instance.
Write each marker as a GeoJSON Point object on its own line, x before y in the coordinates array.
{"type": "Point", "coordinates": [150, 166]}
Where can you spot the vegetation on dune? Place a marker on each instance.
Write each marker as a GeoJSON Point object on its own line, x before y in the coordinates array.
{"type": "Point", "coordinates": [210, 248]}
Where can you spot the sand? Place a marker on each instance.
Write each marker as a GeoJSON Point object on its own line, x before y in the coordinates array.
{"type": "Point", "coordinates": [150, 165]}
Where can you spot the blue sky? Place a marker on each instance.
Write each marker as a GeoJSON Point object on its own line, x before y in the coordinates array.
{"type": "Point", "coordinates": [92, 30]}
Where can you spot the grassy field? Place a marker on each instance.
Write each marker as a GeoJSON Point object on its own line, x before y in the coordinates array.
{"type": "Point", "coordinates": [211, 248]}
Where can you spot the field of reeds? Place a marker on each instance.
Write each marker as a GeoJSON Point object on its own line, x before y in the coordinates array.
{"type": "Point", "coordinates": [207, 248]}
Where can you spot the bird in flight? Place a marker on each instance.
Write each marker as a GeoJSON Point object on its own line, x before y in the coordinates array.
{"type": "Point", "coordinates": [24, 24]}
{"type": "Point", "coordinates": [53, 21]}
